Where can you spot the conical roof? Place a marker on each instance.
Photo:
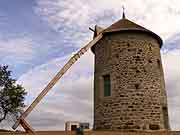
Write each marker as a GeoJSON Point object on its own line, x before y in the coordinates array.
{"type": "Point", "coordinates": [123, 24]}
{"type": "Point", "coordinates": [127, 25]}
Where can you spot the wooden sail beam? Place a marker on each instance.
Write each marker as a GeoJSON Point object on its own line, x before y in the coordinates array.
{"type": "Point", "coordinates": [26, 126]}
{"type": "Point", "coordinates": [57, 77]}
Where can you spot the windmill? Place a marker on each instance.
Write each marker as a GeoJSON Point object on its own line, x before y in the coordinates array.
{"type": "Point", "coordinates": [98, 34]}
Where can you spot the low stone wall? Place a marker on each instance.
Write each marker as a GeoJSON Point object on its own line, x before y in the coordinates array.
{"type": "Point", "coordinates": [93, 133]}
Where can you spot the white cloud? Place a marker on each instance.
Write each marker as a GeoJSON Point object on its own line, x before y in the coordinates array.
{"type": "Point", "coordinates": [17, 50]}
{"type": "Point", "coordinates": [159, 16]}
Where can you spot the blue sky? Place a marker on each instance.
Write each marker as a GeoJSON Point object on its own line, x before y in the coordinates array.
{"type": "Point", "coordinates": [38, 36]}
{"type": "Point", "coordinates": [35, 40]}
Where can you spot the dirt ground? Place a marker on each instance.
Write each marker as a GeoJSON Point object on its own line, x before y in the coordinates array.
{"type": "Point", "coordinates": [93, 133]}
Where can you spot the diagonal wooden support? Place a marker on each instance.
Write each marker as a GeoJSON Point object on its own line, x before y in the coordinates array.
{"type": "Point", "coordinates": [57, 77]}
{"type": "Point", "coordinates": [26, 126]}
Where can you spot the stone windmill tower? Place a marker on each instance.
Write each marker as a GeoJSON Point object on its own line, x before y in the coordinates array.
{"type": "Point", "coordinates": [129, 92]}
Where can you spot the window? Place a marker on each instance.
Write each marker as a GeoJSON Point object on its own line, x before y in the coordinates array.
{"type": "Point", "coordinates": [73, 127]}
{"type": "Point", "coordinates": [107, 85]}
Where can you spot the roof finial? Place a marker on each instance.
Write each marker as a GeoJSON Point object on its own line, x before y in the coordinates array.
{"type": "Point", "coordinates": [123, 17]}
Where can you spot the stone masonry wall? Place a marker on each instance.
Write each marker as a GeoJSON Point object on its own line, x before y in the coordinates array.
{"type": "Point", "coordinates": [138, 98]}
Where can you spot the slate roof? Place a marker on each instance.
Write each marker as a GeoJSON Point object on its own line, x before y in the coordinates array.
{"type": "Point", "coordinates": [127, 25]}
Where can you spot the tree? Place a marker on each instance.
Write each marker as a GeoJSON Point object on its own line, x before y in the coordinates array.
{"type": "Point", "coordinates": [12, 95]}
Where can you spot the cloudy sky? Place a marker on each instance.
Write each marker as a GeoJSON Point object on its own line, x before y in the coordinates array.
{"type": "Point", "coordinates": [38, 36]}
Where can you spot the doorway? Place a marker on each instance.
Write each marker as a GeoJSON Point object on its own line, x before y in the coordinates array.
{"type": "Point", "coordinates": [73, 127]}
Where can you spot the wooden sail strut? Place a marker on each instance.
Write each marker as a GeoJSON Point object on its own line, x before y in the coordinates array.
{"type": "Point", "coordinates": [56, 78]}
